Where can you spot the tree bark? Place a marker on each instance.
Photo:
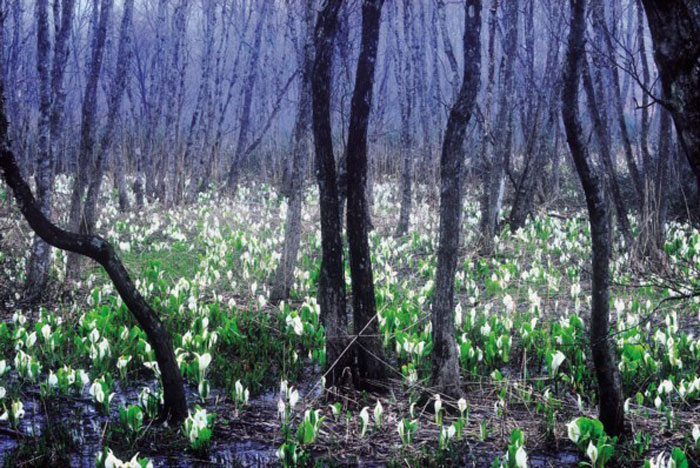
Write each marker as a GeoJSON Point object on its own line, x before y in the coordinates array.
{"type": "Point", "coordinates": [114, 106]}
{"type": "Point", "coordinates": [611, 413]}
{"type": "Point", "coordinates": [502, 145]}
{"type": "Point", "coordinates": [331, 293]}
{"type": "Point", "coordinates": [175, 403]}
{"type": "Point", "coordinates": [445, 364]}
{"type": "Point", "coordinates": [284, 275]}
{"type": "Point", "coordinates": [87, 133]}
{"type": "Point", "coordinates": [368, 349]}
{"type": "Point", "coordinates": [675, 32]}
{"type": "Point", "coordinates": [40, 259]}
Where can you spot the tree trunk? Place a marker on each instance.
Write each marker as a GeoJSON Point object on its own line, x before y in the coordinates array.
{"type": "Point", "coordinates": [114, 106]}
{"type": "Point", "coordinates": [175, 403]}
{"type": "Point", "coordinates": [331, 293]}
{"type": "Point", "coordinates": [675, 32]}
{"type": "Point", "coordinates": [611, 413]}
{"type": "Point", "coordinates": [603, 138]}
{"type": "Point", "coordinates": [87, 134]}
{"type": "Point", "coordinates": [502, 145]}
{"type": "Point", "coordinates": [445, 364]}
{"type": "Point", "coordinates": [244, 125]}
{"type": "Point", "coordinates": [368, 349]}
{"type": "Point", "coordinates": [406, 89]}
{"type": "Point", "coordinates": [284, 275]}
{"type": "Point", "coordinates": [40, 259]}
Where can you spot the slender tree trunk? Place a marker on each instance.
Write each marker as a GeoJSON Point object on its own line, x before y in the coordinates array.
{"type": "Point", "coordinates": [406, 89]}
{"type": "Point", "coordinates": [611, 413]}
{"type": "Point", "coordinates": [40, 259]}
{"type": "Point", "coordinates": [603, 138]}
{"type": "Point", "coordinates": [284, 275]}
{"type": "Point", "coordinates": [502, 146]}
{"type": "Point", "coordinates": [368, 349]}
{"type": "Point", "coordinates": [244, 125]}
{"type": "Point", "coordinates": [331, 293]}
{"type": "Point", "coordinates": [445, 364]}
{"type": "Point", "coordinates": [114, 106]}
{"type": "Point", "coordinates": [87, 133]}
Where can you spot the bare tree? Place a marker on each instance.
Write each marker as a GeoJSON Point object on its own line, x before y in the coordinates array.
{"type": "Point", "coordinates": [114, 106]}
{"type": "Point", "coordinates": [175, 403]}
{"type": "Point", "coordinates": [284, 275]}
{"type": "Point", "coordinates": [87, 131]}
{"type": "Point", "coordinates": [494, 186]}
{"type": "Point", "coordinates": [368, 349]}
{"type": "Point", "coordinates": [611, 412]}
{"type": "Point", "coordinates": [445, 364]}
{"type": "Point", "coordinates": [331, 293]}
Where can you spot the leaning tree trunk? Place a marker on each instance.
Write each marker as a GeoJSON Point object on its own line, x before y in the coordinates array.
{"type": "Point", "coordinates": [331, 293]}
{"type": "Point", "coordinates": [368, 350]}
{"type": "Point", "coordinates": [175, 403]}
{"type": "Point", "coordinates": [611, 413]}
{"type": "Point", "coordinates": [675, 32]}
{"type": "Point", "coordinates": [87, 133]}
{"type": "Point", "coordinates": [445, 364]}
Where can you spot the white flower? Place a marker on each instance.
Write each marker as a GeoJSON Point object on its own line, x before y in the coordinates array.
{"type": "Point", "coordinates": [521, 458]}
{"type": "Point", "coordinates": [378, 413]}
{"type": "Point", "coordinates": [364, 416]}
{"type": "Point", "coordinates": [557, 359]}
{"type": "Point", "coordinates": [281, 408]}
{"type": "Point", "coordinates": [3, 367]}
{"type": "Point", "coordinates": [46, 332]}
{"type": "Point", "coordinates": [296, 324]}
{"type": "Point", "coordinates": [111, 461]}
{"type": "Point", "coordinates": [438, 404]}
{"type": "Point", "coordinates": [53, 380]}
{"type": "Point", "coordinates": [696, 433]}
{"type": "Point", "coordinates": [665, 387]}
{"type": "Point", "coordinates": [293, 398]}
{"type": "Point", "coordinates": [592, 452]}
{"type": "Point", "coordinates": [203, 361]}
{"type": "Point", "coordinates": [462, 405]}
{"type": "Point", "coordinates": [574, 431]}
{"type": "Point", "coordinates": [3, 392]}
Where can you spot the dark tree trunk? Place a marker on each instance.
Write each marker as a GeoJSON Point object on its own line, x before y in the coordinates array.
{"type": "Point", "coordinates": [445, 364]}
{"type": "Point", "coordinates": [603, 138]}
{"type": "Point", "coordinates": [675, 32]}
{"type": "Point", "coordinates": [331, 294]}
{"type": "Point", "coordinates": [368, 350]}
{"type": "Point", "coordinates": [611, 413]}
{"type": "Point", "coordinates": [175, 403]}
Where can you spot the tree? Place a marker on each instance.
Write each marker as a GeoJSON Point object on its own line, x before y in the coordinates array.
{"type": "Point", "coordinates": [445, 365]}
{"type": "Point", "coordinates": [284, 275]}
{"type": "Point", "coordinates": [611, 412]}
{"type": "Point", "coordinates": [114, 106]}
{"type": "Point", "coordinates": [368, 349]}
{"type": "Point", "coordinates": [494, 184]}
{"type": "Point", "coordinates": [87, 130]}
{"type": "Point", "coordinates": [331, 293]}
{"type": "Point", "coordinates": [51, 111]}
{"type": "Point", "coordinates": [175, 403]}
{"type": "Point", "coordinates": [675, 32]}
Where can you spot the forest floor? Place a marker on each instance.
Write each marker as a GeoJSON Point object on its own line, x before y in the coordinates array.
{"type": "Point", "coordinates": [521, 323]}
